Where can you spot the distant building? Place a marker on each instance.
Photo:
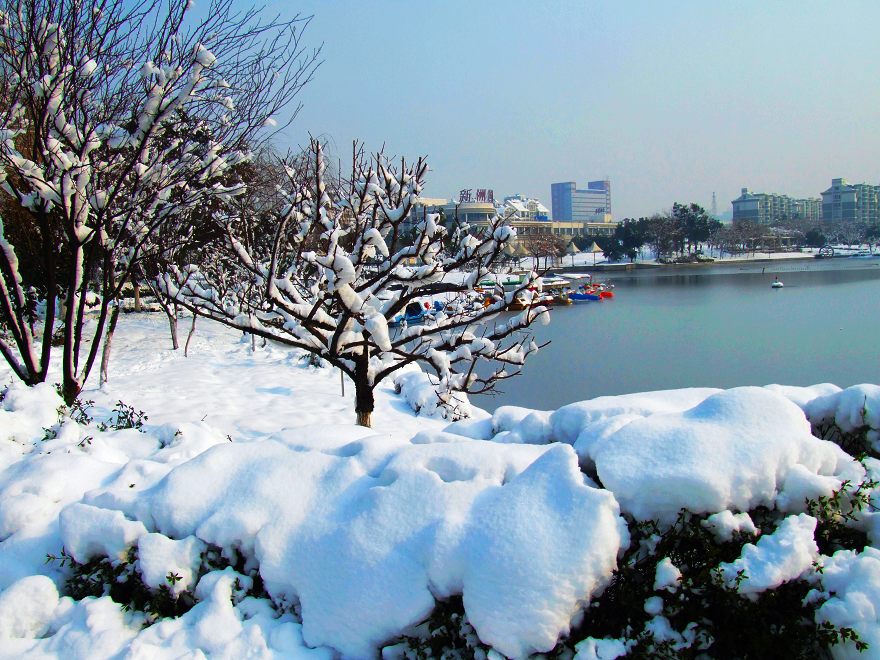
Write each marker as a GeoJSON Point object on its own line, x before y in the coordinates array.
{"type": "Point", "coordinates": [524, 208]}
{"type": "Point", "coordinates": [571, 204]}
{"type": "Point", "coordinates": [844, 202]}
{"type": "Point", "coordinates": [476, 206]}
{"type": "Point", "coordinates": [768, 208]}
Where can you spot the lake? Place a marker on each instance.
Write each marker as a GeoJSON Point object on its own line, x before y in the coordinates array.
{"type": "Point", "coordinates": [713, 326]}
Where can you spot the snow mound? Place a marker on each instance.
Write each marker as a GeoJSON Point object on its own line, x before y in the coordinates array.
{"type": "Point", "coordinates": [854, 409]}
{"type": "Point", "coordinates": [725, 524]}
{"type": "Point", "coordinates": [24, 413]}
{"type": "Point", "coordinates": [782, 556]}
{"type": "Point", "coordinates": [222, 624]}
{"type": "Point", "coordinates": [26, 607]}
{"type": "Point", "coordinates": [539, 548]}
{"type": "Point", "coordinates": [159, 556]}
{"type": "Point", "coordinates": [515, 425]}
{"type": "Point", "coordinates": [570, 421]}
{"type": "Point", "coordinates": [89, 531]}
{"type": "Point", "coordinates": [733, 450]}
{"type": "Point", "coordinates": [364, 546]}
{"type": "Point", "coordinates": [853, 582]}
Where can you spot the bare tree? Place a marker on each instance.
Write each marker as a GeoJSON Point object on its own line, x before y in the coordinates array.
{"type": "Point", "coordinates": [328, 283]}
{"type": "Point", "coordinates": [91, 93]}
{"type": "Point", "coordinates": [547, 245]}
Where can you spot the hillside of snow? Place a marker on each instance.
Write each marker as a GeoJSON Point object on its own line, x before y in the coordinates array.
{"type": "Point", "coordinates": [248, 492]}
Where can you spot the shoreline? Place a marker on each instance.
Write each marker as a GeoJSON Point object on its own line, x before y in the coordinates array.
{"type": "Point", "coordinates": [654, 266]}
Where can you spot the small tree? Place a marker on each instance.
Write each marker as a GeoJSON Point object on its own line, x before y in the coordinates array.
{"type": "Point", "coordinates": [89, 96]}
{"type": "Point", "coordinates": [814, 238]}
{"type": "Point", "coordinates": [629, 237]}
{"type": "Point", "coordinates": [326, 282]}
{"type": "Point", "coordinates": [662, 234]}
{"type": "Point", "coordinates": [547, 245]}
{"type": "Point", "coordinates": [693, 223]}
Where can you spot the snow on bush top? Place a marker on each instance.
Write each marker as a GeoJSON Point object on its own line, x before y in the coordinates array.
{"type": "Point", "coordinates": [701, 449]}
{"type": "Point", "coordinates": [365, 547]}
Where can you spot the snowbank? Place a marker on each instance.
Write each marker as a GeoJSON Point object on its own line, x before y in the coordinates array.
{"type": "Point", "coordinates": [705, 450]}
{"type": "Point", "coordinates": [301, 535]}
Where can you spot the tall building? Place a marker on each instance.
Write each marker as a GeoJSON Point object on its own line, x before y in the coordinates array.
{"type": "Point", "coordinates": [571, 204]}
{"type": "Point", "coordinates": [767, 208]}
{"type": "Point", "coordinates": [844, 202]}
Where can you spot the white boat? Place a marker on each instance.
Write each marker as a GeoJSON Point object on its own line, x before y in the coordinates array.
{"type": "Point", "coordinates": [777, 284]}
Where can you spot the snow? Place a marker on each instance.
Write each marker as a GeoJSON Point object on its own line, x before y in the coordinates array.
{"type": "Point", "coordinates": [853, 580]}
{"type": "Point", "coordinates": [160, 556]}
{"type": "Point", "coordinates": [547, 522]}
{"type": "Point", "coordinates": [782, 556]}
{"type": "Point", "coordinates": [733, 450]}
{"type": "Point", "coordinates": [88, 532]}
{"type": "Point", "coordinates": [725, 524]}
{"type": "Point", "coordinates": [667, 576]}
{"type": "Point", "coordinates": [26, 607]}
{"type": "Point", "coordinates": [251, 455]}
{"type": "Point", "coordinates": [851, 409]}
{"type": "Point", "coordinates": [600, 649]}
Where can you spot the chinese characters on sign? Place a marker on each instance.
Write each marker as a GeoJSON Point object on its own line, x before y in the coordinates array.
{"type": "Point", "coordinates": [483, 195]}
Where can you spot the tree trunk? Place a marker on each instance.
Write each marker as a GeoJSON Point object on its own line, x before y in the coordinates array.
{"type": "Point", "coordinates": [363, 394]}
{"type": "Point", "coordinates": [171, 312]}
{"type": "Point", "coordinates": [137, 296]}
{"type": "Point", "coordinates": [108, 340]}
{"type": "Point", "coordinates": [192, 330]}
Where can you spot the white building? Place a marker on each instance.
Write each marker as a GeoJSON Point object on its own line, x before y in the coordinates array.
{"type": "Point", "coordinates": [524, 208]}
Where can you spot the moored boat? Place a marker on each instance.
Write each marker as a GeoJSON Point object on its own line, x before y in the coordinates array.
{"type": "Point", "coordinates": [584, 297]}
{"type": "Point", "coordinates": [416, 312]}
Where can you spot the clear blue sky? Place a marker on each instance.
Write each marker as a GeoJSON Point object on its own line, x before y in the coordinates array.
{"type": "Point", "coordinates": [671, 100]}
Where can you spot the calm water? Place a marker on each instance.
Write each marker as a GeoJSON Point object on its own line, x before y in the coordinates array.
{"type": "Point", "coordinates": [716, 327]}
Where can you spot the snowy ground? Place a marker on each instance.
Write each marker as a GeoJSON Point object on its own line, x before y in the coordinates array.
{"type": "Point", "coordinates": [353, 533]}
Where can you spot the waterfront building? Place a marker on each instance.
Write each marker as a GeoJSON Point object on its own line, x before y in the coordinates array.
{"type": "Point", "coordinates": [525, 208]}
{"type": "Point", "coordinates": [857, 203]}
{"type": "Point", "coordinates": [768, 208]}
{"type": "Point", "coordinates": [571, 204]}
{"type": "Point", "coordinates": [476, 206]}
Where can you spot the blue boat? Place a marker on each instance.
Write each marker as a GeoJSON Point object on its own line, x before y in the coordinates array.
{"type": "Point", "coordinates": [583, 297]}
{"type": "Point", "coordinates": [415, 313]}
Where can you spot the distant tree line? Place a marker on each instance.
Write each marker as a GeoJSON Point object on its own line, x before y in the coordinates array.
{"type": "Point", "coordinates": [682, 234]}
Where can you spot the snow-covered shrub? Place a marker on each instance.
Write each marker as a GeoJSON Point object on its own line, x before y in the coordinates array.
{"type": "Point", "coordinates": [682, 591]}
{"type": "Point", "coordinates": [839, 515]}
{"type": "Point", "coordinates": [447, 634]}
{"type": "Point", "coordinates": [424, 395]}
{"type": "Point", "coordinates": [128, 581]}
{"type": "Point", "coordinates": [849, 418]}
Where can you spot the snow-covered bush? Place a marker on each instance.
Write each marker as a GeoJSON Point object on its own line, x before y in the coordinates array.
{"type": "Point", "coordinates": [686, 590]}
{"type": "Point", "coordinates": [420, 392]}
